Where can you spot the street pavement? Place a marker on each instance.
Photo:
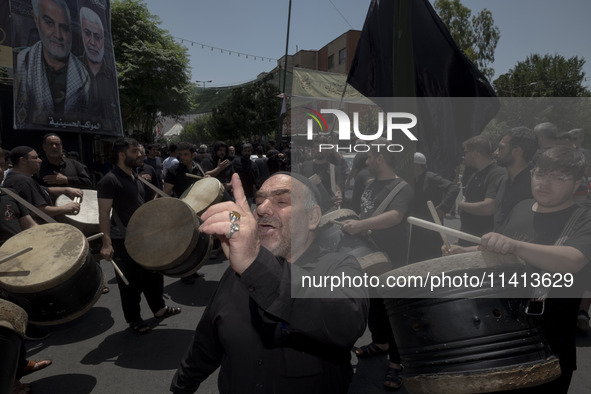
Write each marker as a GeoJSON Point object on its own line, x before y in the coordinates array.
{"type": "Point", "coordinates": [98, 353]}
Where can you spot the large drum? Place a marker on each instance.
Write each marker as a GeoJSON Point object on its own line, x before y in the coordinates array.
{"type": "Point", "coordinates": [13, 322]}
{"type": "Point", "coordinates": [87, 220]}
{"type": "Point", "coordinates": [203, 193]}
{"type": "Point", "coordinates": [55, 282]}
{"type": "Point", "coordinates": [332, 239]}
{"type": "Point", "coordinates": [163, 235]}
{"type": "Point", "coordinates": [456, 344]}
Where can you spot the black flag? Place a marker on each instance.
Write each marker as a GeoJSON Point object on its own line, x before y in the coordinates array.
{"type": "Point", "coordinates": [438, 68]}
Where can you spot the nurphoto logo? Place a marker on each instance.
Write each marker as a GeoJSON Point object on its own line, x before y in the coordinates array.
{"type": "Point", "coordinates": [393, 123]}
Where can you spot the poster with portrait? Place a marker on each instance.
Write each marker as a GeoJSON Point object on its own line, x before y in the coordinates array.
{"type": "Point", "coordinates": [64, 67]}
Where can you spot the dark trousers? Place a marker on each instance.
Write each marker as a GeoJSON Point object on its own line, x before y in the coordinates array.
{"type": "Point", "coordinates": [379, 326]}
{"type": "Point", "coordinates": [140, 281]}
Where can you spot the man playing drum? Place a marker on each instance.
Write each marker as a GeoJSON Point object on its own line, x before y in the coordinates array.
{"type": "Point", "coordinates": [536, 231]}
{"type": "Point", "coordinates": [26, 163]}
{"type": "Point", "coordinates": [122, 191]}
{"type": "Point", "coordinates": [176, 181]}
{"type": "Point", "coordinates": [268, 331]}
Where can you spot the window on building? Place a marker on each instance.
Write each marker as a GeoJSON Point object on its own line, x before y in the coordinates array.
{"type": "Point", "coordinates": [331, 62]}
{"type": "Point", "coordinates": [342, 55]}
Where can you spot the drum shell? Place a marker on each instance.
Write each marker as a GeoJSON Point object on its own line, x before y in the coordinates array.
{"type": "Point", "coordinates": [332, 239]}
{"type": "Point", "coordinates": [66, 301]}
{"type": "Point", "coordinates": [13, 322]}
{"type": "Point", "coordinates": [468, 345]}
{"type": "Point", "coordinates": [163, 236]}
{"type": "Point", "coordinates": [203, 194]}
{"type": "Point", "coordinates": [87, 219]}
{"type": "Point", "coordinates": [57, 281]}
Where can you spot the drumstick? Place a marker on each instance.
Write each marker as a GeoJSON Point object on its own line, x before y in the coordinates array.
{"type": "Point", "coordinates": [16, 254]}
{"type": "Point", "coordinates": [449, 231]}
{"type": "Point", "coordinates": [77, 199]}
{"type": "Point", "coordinates": [194, 176]}
{"type": "Point", "coordinates": [438, 221]}
{"type": "Point", "coordinates": [95, 236]}
{"type": "Point", "coordinates": [118, 271]}
{"type": "Point", "coordinates": [336, 222]}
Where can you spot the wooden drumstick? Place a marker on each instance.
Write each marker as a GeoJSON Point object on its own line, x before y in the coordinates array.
{"type": "Point", "coordinates": [448, 231]}
{"type": "Point", "coordinates": [194, 176]}
{"type": "Point", "coordinates": [16, 254]}
{"type": "Point", "coordinates": [95, 236]}
{"type": "Point", "coordinates": [77, 199]}
{"type": "Point", "coordinates": [438, 221]}
{"type": "Point", "coordinates": [118, 271]}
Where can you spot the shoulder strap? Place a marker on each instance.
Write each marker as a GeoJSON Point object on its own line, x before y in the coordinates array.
{"type": "Point", "coordinates": [568, 228]}
{"type": "Point", "coordinates": [382, 207]}
{"type": "Point", "coordinates": [540, 294]}
{"type": "Point", "coordinates": [30, 206]}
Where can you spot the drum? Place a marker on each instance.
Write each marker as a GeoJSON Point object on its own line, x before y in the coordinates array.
{"type": "Point", "coordinates": [55, 282]}
{"type": "Point", "coordinates": [203, 193]}
{"type": "Point", "coordinates": [87, 220]}
{"type": "Point", "coordinates": [456, 344]}
{"type": "Point", "coordinates": [13, 322]}
{"type": "Point", "coordinates": [332, 239]}
{"type": "Point", "coordinates": [163, 235]}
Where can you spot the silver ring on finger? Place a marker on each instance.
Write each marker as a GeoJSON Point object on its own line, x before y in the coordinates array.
{"type": "Point", "coordinates": [233, 228]}
{"type": "Point", "coordinates": [234, 216]}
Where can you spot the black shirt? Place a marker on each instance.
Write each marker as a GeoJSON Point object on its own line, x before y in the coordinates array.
{"type": "Point", "coordinates": [483, 184]}
{"type": "Point", "coordinates": [267, 340]}
{"type": "Point", "coordinates": [176, 176]}
{"type": "Point", "coordinates": [248, 173]}
{"type": "Point", "coordinates": [433, 187]}
{"type": "Point", "coordinates": [28, 188]}
{"type": "Point", "coordinates": [224, 176]}
{"type": "Point", "coordinates": [560, 315]}
{"type": "Point", "coordinates": [11, 212]}
{"type": "Point", "coordinates": [156, 162]}
{"type": "Point", "coordinates": [127, 193]}
{"type": "Point", "coordinates": [509, 194]}
{"type": "Point", "coordinates": [393, 240]}
{"type": "Point", "coordinates": [145, 168]}
{"type": "Point", "coordinates": [76, 172]}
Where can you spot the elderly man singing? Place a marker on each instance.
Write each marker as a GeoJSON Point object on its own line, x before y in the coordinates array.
{"type": "Point", "coordinates": [267, 330]}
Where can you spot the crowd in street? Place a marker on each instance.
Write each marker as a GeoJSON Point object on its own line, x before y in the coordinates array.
{"type": "Point", "coordinates": [526, 194]}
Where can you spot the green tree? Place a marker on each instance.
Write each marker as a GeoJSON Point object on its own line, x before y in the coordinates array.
{"type": "Point", "coordinates": [251, 110]}
{"type": "Point", "coordinates": [476, 35]}
{"type": "Point", "coordinates": [153, 70]}
{"type": "Point", "coordinates": [198, 131]}
{"type": "Point", "coordinates": [544, 76]}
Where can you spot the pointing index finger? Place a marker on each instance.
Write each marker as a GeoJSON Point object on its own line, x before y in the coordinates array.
{"type": "Point", "coordinates": [238, 193]}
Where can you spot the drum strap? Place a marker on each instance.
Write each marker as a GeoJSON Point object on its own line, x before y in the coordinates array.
{"type": "Point", "coordinates": [30, 206]}
{"type": "Point", "coordinates": [535, 305]}
{"type": "Point", "coordinates": [382, 207]}
{"type": "Point", "coordinates": [154, 188]}
{"type": "Point", "coordinates": [199, 167]}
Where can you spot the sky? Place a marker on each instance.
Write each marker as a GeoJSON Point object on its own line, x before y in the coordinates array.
{"type": "Point", "coordinates": [259, 28]}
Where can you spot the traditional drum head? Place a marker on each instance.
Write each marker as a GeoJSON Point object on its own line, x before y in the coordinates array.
{"type": "Point", "coordinates": [59, 250]}
{"type": "Point", "coordinates": [162, 233]}
{"type": "Point", "coordinates": [203, 193]}
{"type": "Point", "coordinates": [338, 215]}
{"type": "Point", "coordinates": [13, 317]}
{"type": "Point", "coordinates": [87, 220]}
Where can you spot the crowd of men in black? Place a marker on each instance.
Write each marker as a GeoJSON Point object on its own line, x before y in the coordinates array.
{"type": "Point", "coordinates": [536, 175]}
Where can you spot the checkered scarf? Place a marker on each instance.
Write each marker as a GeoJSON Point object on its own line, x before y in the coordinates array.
{"type": "Point", "coordinates": [33, 93]}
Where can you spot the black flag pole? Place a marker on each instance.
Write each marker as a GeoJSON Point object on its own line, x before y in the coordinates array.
{"type": "Point", "coordinates": [280, 139]}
